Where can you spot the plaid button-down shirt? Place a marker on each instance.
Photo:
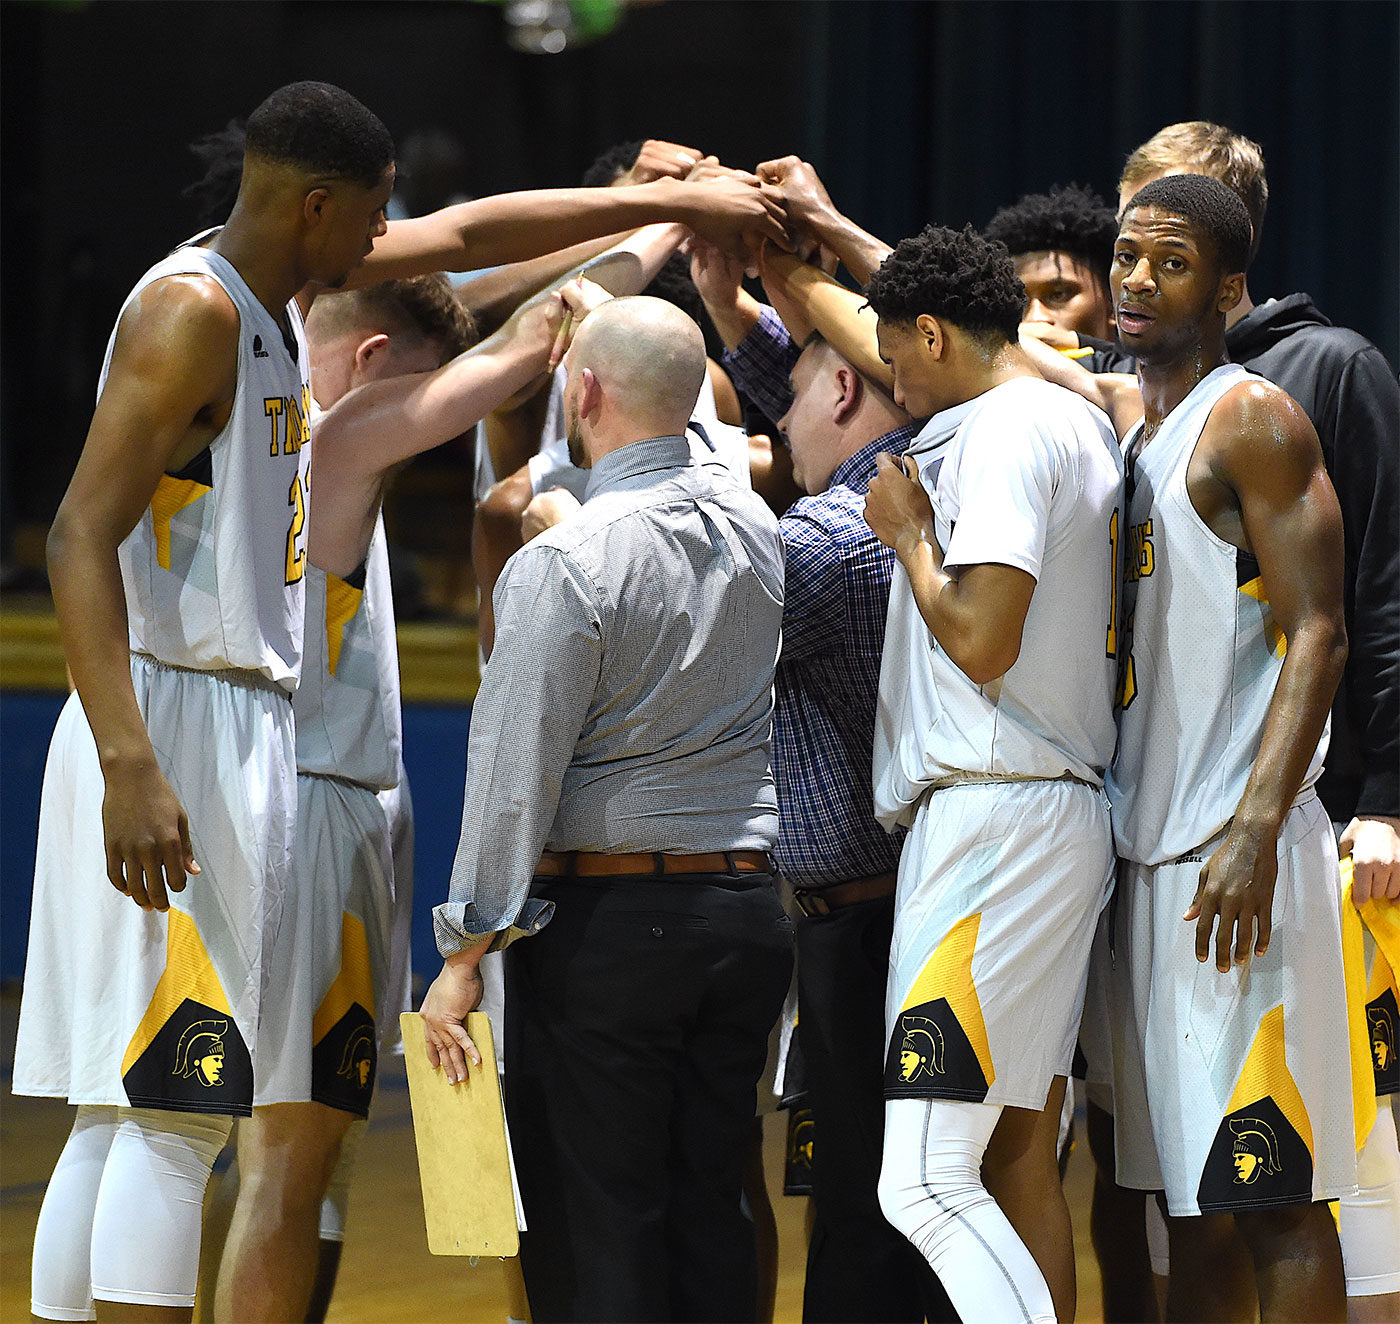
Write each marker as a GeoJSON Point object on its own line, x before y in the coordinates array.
{"type": "Point", "coordinates": [837, 591]}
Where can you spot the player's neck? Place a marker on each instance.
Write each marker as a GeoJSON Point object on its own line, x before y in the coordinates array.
{"type": "Point", "coordinates": [1165, 384]}
{"type": "Point", "coordinates": [262, 258]}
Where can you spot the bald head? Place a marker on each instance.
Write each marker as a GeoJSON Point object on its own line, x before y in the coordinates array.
{"type": "Point", "coordinates": [648, 361]}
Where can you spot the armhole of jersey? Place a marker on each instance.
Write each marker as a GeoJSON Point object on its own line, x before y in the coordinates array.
{"type": "Point", "coordinates": [1179, 491]}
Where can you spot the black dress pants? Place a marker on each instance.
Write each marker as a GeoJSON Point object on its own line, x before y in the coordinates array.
{"type": "Point", "coordinates": [859, 1269]}
{"type": "Point", "coordinates": [637, 1028]}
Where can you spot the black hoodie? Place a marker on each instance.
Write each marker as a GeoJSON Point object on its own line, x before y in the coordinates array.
{"type": "Point", "coordinates": [1347, 388]}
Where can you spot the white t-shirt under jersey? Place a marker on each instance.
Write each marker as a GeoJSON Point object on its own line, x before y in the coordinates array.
{"type": "Point", "coordinates": [214, 569]}
{"type": "Point", "coordinates": [1033, 478]}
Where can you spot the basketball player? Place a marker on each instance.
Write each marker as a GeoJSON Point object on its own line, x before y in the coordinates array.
{"type": "Point", "coordinates": [178, 559]}
{"type": "Point", "coordinates": [996, 764]}
{"type": "Point", "coordinates": [1234, 572]}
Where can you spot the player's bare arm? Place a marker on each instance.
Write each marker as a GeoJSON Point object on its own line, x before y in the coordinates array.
{"type": "Point", "coordinates": [810, 208]}
{"type": "Point", "coordinates": [375, 427]}
{"type": "Point", "coordinates": [843, 317]}
{"type": "Point", "coordinates": [1116, 393]}
{"type": "Point", "coordinates": [1257, 480]}
{"type": "Point", "coordinates": [977, 617]}
{"type": "Point", "coordinates": [512, 227]}
{"type": "Point", "coordinates": [168, 394]}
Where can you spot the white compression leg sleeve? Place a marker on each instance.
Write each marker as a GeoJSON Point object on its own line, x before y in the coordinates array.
{"type": "Point", "coordinates": [60, 1287]}
{"type": "Point", "coordinates": [1369, 1221]}
{"type": "Point", "coordinates": [145, 1231]}
{"type": "Point", "coordinates": [931, 1190]}
{"type": "Point", "coordinates": [335, 1207]}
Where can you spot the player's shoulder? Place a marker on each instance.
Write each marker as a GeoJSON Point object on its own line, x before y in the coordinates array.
{"type": "Point", "coordinates": [182, 308]}
{"type": "Point", "coordinates": [1256, 417]}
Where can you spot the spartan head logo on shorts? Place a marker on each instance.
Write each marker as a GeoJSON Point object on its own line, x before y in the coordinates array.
{"type": "Point", "coordinates": [930, 1057]}
{"type": "Point", "coordinates": [1257, 1159]}
{"type": "Point", "coordinates": [195, 1062]}
{"type": "Point", "coordinates": [343, 1063]}
{"type": "Point", "coordinates": [1381, 1021]}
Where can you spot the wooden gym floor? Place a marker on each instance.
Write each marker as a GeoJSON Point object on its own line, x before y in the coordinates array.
{"type": "Point", "coordinates": [386, 1272]}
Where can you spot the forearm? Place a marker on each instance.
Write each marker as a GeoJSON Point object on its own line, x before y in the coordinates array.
{"type": "Point", "coordinates": [762, 362]}
{"type": "Point", "coordinates": [841, 315]}
{"type": "Point", "coordinates": [515, 227]}
{"type": "Point", "coordinates": [735, 320]}
{"type": "Point", "coordinates": [860, 251]}
{"type": "Point", "coordinates": [495, 295]}
{"type": "Point", "coordinates": [950, 618]}
{"type": "Point", "coordinates": [1307, 682]}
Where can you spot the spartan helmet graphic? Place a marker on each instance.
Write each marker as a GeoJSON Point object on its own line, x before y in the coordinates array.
{"type": "Point", "coordinates": [1255, 1149]}
{"type": "Point", "coordinates": [200, 1052]}
{"type": "Point", "coordinates": [1382, 1037]}
{"type": "Point", "coordinates": [357, 1061]}
{"type": "Point", "coordinates": [921, 1051]}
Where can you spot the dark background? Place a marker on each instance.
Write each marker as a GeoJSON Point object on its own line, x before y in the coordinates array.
{"type": "Point", "coordinates": [910, 111]}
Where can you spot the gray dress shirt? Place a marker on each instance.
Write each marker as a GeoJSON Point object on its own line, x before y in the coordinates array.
{"type": "Point", "coordinates": [628, 702]}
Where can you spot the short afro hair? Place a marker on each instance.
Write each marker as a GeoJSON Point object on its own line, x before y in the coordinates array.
{"type": "Point", "coordinates": [952, 274]}
{"type": "Point", "coordinates": [1067, 219]}
{"type": "Point", "coordinates": [323, 130]}
{"type": "Point", "coordinates": [613, 164]}
{"type": "Point", "coordinates": [1212, 207]}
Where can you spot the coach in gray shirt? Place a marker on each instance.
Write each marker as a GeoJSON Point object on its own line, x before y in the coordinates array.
{"type": "Point", "coordinates": [619, 812]}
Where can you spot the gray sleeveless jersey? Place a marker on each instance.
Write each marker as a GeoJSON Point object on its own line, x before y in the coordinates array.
{"type": "Point", "coordinates": [213, 570]}
{"type": "Point", "coordinates": [347, 706]}
{"type": "Point", "coordinates": [1205, 653]}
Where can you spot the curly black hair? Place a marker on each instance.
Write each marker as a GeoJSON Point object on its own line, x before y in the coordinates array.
{"type": "Point", "coordinates": [323, 129]}
{"type": "Point", "coordinates": [617, 160]}
{"type": "Point", "coordinates": [952, 274]}
{"type": "Point", "coordinates": [1212, 207]}
{"type": "Point", "coordinates": [1067, 219]}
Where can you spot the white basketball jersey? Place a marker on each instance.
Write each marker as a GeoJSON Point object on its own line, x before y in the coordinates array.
{"type": "Point", "coordinates": [347, 705]}
{"type": "Point", "coordinates": [213, 570]}
{"type": "Point", "coordinates": [1032, 477]}
{"type": "Point", "coordinates": [1205, 653]}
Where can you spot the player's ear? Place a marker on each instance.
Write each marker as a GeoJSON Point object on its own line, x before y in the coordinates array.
{"type": "Point", "coordinates": [313, 206]}
{"type": "Point", "coordinates": [930, 330]}
{"type": "Point", "coordinates": [369, 352]}
{"type": "Point", "coordinates": [1231, 292]}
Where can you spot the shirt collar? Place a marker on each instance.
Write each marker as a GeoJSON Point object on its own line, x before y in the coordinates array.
{"type": "Point", "coordinates": [635, 459]}
{"type": "Point", "coordinates": [860, 467]}
{"type": "Point", "coordinates": [941, 427]}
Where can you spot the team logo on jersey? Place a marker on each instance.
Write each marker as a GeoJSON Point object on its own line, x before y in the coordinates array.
{"type": "Point", "coordinates": [343, 1063]}
{"type": "Point", "coordinates": [258, 351]}
{"type": "Point", "coordinates": [1381, 1021]}
{"type": "Point", "coordinates": [197, 1061]}
{"type": "Point", "coordinates": [1257, 1159]}
{"type": "Point", "coordinates": [939, 1047]}
{"type": "Point", "coordinates": [931, 1057]}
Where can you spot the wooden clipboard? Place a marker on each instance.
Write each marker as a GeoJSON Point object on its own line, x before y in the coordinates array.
{"type": "Point", "coordinates": [463, 1157]}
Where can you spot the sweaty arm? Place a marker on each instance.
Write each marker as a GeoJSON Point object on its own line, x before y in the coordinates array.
{"type": "Point", "coordinates": [977, 616]}
{"type": "Point", "coordinates": [842, 316]}
{"type": "Point", "coordinates": [1258, 481]}
{"type": "Point", "coordinates": [169, 391]}
{"type": "Point", "coordinates": [526, 720]}
{"type": "Point", "coordinates": [512, 227]}
{"type": "Point", "coordinates": [1116, 393]}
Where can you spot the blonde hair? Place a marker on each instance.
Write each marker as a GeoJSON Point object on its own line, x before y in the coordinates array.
{"type": "Point", "coordinates": [1202, 148]}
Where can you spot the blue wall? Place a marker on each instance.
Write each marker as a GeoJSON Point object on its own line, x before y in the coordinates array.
{"type": "Point", "coordinates": [435, 750]}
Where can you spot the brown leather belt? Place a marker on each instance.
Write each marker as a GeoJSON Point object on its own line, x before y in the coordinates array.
{"type": "Point", "coordinates": [816, 902]}
{"type": "Point", "coordinates": [593, 864]}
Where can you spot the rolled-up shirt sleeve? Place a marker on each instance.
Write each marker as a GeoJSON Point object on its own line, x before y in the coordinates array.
{"type": "Point", "coordinates": [534, 699]}
{"type": "Point", "coordinates": [762, 361]}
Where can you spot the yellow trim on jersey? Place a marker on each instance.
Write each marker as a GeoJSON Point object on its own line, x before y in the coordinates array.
{"type": "Point", "coordinates": [171, 496]}
{"type": "Point", "coordinates": [1382, 918]}
{"type": "Point", "coordinates": [353, 984]}
{"type": "Point", "coordinates": [1266, 1075]}
{"type": "Point", "coordinates": [1363, 1079]}
{"type": "Point", "coordinates": [342, 602]}
{"type": "Point", "coordinates": [948, 974]}
{"type": "Point", "coordinates": [188, 973]}
{"type": "Point", "coordinates": [1278, 645]}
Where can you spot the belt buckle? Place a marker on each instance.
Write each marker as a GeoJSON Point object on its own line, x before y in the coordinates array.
{"type": "Point", "coordinates": [812, 904]}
